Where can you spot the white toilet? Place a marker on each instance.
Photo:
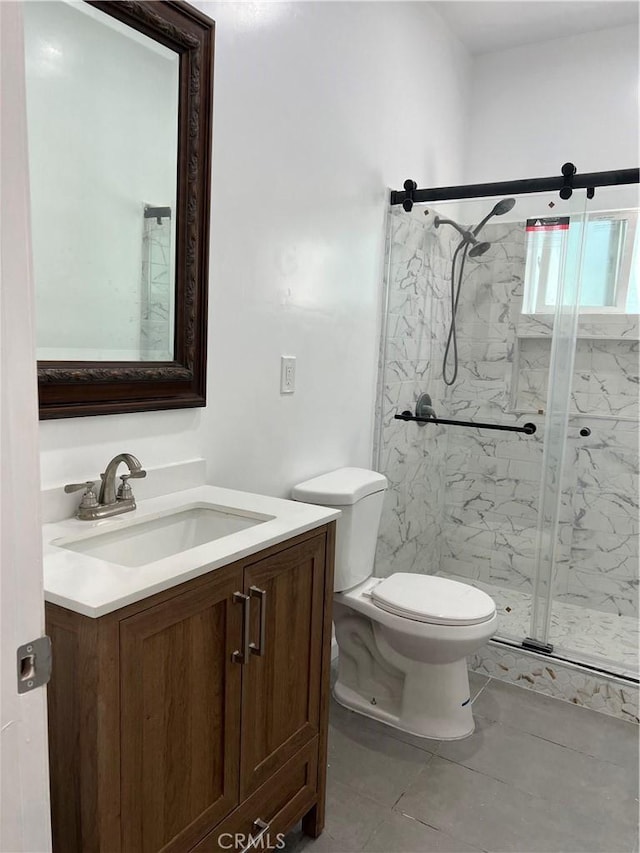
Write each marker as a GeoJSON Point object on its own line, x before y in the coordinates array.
{"type": "Point", "coordinates": [403, 640]}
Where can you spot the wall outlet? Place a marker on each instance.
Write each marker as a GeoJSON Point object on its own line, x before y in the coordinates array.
{"type": "Point", "coordinates": [287, 374]}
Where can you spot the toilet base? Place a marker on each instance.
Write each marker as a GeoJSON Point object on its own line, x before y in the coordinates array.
{"type": "Point", "coordinates": [435, 702]}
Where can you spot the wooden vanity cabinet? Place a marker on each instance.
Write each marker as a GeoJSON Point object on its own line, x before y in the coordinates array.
{"type": "Point", "coordinates": [180, 715]}
{"type": "Point", "coordinates": [162, 738]}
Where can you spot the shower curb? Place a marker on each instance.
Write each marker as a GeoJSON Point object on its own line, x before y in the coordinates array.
{"type": "Point", "coordinates": [607, 694]}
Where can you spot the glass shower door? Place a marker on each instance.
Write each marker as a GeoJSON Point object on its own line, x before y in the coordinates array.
{"type": "Point", "coordinates": [555, 255]}
{"type": "Point", "coordinates": [526, 517]}
{"type": "Point", "coordinates": [516, 312]}
{"type": "Point", "coordinates": [587, 601]}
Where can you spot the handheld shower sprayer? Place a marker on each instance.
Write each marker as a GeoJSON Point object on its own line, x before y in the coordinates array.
{"type": "Point", "coordinates": [469, 239]}
{"type": "Point", "coordinates": [499, 209]}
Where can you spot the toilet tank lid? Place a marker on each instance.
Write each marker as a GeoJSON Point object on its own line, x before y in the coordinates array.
{"type": "Point", "coordinates": [340, 488]}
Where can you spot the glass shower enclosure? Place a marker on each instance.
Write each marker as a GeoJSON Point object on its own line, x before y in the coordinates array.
{"type": "Point", "coordinates": [543, 296]}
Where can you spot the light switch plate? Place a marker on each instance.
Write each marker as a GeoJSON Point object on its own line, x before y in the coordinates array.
{"type": "Point", "coordinates": [287, 374]}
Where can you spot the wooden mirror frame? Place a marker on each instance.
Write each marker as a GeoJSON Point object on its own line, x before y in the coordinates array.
{"type": "Point", "coordinates": [77, 388]}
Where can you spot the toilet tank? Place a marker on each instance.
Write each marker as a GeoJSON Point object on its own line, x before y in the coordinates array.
{"type": "Point", "coordinates": [358, 493]}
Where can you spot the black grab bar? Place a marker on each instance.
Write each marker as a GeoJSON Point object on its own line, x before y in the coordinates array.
{"type": "Point", "coordinates": [528, 428]}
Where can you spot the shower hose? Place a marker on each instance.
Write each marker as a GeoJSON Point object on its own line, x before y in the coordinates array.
{"type": "Point", "coordinates": [452, 342]}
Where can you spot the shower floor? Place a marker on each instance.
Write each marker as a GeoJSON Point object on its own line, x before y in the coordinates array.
{"type": "Point", "coordinates": [603, 639]}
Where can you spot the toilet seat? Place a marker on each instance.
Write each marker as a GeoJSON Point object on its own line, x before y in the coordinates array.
{"type": "Point", "coordinates": [432, 599]}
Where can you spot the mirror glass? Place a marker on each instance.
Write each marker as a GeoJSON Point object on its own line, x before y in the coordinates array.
{"type": "Point", "coordinates": [102, 111]}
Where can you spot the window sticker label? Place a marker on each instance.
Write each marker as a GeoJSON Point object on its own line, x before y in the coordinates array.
{"type": "Point", "coordinates": [548, 223]}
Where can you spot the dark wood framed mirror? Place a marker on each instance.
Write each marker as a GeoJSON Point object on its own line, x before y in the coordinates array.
{"type": "Point", "coordinates": [104, 378]}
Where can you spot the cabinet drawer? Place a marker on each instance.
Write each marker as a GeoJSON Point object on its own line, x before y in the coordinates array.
{"type": "Point", "coordinates": [278, 804]}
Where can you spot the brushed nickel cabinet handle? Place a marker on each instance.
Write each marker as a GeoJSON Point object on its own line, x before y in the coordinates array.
{"type": "Point", "coordinates": [242, 655]}
{"type": "Point", "coordinates": [254, 840]}
{"type": "Point", "coordinates": [256, 592]}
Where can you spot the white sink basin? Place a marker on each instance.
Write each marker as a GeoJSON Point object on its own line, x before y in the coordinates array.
{"type": "Point", "coordinates": [97, 567]}
{"type": "Point", "coordinates": [137, 544]}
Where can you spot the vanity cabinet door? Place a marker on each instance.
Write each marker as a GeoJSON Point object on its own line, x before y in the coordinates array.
{"type": "Point", "coordinates": [281, 685]}
{"type": "Point", "coordinates": [180, 714]}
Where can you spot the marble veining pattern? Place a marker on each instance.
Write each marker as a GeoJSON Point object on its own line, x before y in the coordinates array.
{"type": "Point", "coordinates": [411, 456]}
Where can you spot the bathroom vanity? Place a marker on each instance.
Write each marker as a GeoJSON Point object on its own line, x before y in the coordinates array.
{"type": "Point", "coordinates": [189, 697]}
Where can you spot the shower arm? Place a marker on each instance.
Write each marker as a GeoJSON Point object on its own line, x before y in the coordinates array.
{"type": "Point", "coordinates": [528, 428]}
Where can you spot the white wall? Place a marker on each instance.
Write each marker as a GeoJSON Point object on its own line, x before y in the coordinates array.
{"type": "Point", "coordinates": [536, 107]}
{"type": "Point", "coordinates": [318, 108]}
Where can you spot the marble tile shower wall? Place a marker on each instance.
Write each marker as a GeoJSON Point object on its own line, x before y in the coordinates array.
{"type": "Point", "coordinates": [491, 478]}
{"type": "Point", "coordinates": [412, 457]}
{"type": "Point", "coordinates": [465, 502]}
{"type": "Point", "coordinates": [459, 501]}
{"type": "Point", "coordinates": [156, 316]}
{"type": "Point", "coordinates": [602, 483]}
{"type": "Point", "coordinates": [492, 484]}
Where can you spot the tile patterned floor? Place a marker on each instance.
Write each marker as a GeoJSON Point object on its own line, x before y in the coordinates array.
{"type": "Point", "coordinates": [606, 637]}
{"type": "Point", "coordinates": [537, 776]}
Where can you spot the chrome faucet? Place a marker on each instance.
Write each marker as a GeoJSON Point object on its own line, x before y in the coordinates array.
{"type": "Point", "coordinates": [109, 501]}
{"type": "Point", "coordinates": [108, 494]}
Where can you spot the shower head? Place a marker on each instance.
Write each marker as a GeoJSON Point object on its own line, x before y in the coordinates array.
{"type": "Point", "coordinates": [473, 248]}
{"type": "Point", "coordinates": [499, 209]}
{"type": "Point", "coordinates": [468, 237]}
{"type": "Point", "coordinates": [478, 249]}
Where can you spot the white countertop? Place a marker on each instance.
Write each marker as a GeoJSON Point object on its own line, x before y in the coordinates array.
{"type": "Point", "coordinates": [93, 586]}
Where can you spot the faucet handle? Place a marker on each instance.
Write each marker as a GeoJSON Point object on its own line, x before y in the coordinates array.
{"type": "Point", "coordinates": [75, 487]}
{"type": "Point", "coordinates": [124, 492]}
{"type": "Point", "coordinates": [89, 498]}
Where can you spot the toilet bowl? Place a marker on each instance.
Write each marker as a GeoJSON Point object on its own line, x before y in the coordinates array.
{"type": "Point", "coordinates": [402, 640]}
{"type": "Point", "coordinates": [429, 658]}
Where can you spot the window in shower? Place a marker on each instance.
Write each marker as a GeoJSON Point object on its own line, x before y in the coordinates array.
{"type": "Point", "coordinates": [609, 282]}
